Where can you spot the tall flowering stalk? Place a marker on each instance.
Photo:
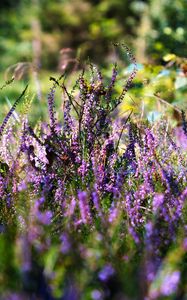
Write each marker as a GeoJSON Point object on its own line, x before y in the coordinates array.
{"type": "Point", "coordinates": [51, 107]}
{"type": "Point", "coordinates": [6, 119]}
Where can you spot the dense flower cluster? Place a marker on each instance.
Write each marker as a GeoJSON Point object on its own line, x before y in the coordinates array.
{"type": "Point", "coordinates": [93, 206]}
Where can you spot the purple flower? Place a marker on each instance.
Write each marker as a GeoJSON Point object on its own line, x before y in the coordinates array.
{"type": "Point", "coordinates": [157, 202]}
{"type": "Point", "coordinates": [170, 283]}
{"type": "Point", "coordinates": [149, 229]}
{"type": "Point", "coordinates": [96, 295]}
{"type": "Point", "coordinates": [66, 245]}
{"type": "Point", "coordinates": [106, 272]}
{"type": "Point", "coordinates": [96, 201]}
{"type": "Point", "coordinates": [114, 212]}
{"type": "Point", "coordinates": [185, 244]}
{"type": "Point", "coordinates": [181, 138]}
{"type": "Point", "coordinates": [51, 107]}
{"type": "Point", "coordinates": [84, 206]}
{"type": "Point", "coordinates": [68, 122]}
{"type": "Point", "coordinates": [71, 207]}
{"type": "Point", "coordinates": [60, 192]}
{"type": "Point", "coordinates": [83, 169]}
{"type": "Point", "coordinates": [1, 186]}
{"type": "Point", "coordinates": [44, 217]}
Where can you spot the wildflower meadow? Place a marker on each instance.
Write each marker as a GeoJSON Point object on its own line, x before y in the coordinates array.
{"type": "Point", "coordinates": [93, 204]}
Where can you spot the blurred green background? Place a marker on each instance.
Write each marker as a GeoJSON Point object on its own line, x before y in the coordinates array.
{"type": "Point", "coordinates": [42, 38]}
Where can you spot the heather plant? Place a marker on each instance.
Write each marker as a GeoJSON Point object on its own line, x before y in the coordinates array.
{"type": "Point", "coordinates": [93, 207]}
